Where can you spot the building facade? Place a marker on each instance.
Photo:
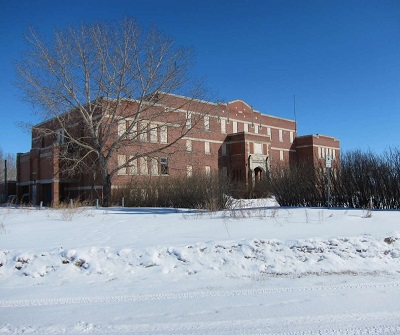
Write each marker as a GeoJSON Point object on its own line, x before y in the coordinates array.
{"type": "Point", "coordinates": [232, 139]}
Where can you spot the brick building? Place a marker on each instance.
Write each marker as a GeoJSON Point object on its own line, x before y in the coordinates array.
{"type": "Point", "coordinates": [231, 138]}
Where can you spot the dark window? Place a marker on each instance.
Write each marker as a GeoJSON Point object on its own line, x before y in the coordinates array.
{"type": "Point", "coordinates": [164, 165]}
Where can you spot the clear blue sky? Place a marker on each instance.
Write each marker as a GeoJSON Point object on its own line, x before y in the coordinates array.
{"type": "Point", "coordinates": [340, 58]}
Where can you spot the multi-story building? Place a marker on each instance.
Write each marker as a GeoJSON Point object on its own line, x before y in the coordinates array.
{"type": "Point", "coordinates": [230, 138]}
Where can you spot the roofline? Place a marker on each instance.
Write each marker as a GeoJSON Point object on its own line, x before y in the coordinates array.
{"type": "Point", "coordinates": [318, 135]}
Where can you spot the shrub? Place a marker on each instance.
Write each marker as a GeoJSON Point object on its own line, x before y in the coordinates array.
{"type": "Point", "coordinates": [199, 191]}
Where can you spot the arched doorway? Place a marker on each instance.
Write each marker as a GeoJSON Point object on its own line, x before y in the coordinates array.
{"type": "Point", "coordinates": [258, 174]}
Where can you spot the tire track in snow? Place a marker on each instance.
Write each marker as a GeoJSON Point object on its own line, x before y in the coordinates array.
{"type": "Point", "coordinates": [354, 324]}
{"type": "Point", "coordinates": [185, 295]}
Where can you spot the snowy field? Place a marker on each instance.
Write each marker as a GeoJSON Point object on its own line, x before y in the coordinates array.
{"type": "Point", "coordinates": [257, 269]}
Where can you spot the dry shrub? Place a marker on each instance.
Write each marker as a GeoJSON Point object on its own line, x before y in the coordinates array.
{"type": "Point", "coordinates": [199, 191]}
{"type": "Point", "coordinates": [68, 210]}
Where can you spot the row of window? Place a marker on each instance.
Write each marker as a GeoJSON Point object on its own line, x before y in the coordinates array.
{"type": "Point", "coordinates": [143, 131]}
{"type": "Point", "coordinates": [324, 151]}
{"type": "Point", "coordinates": [223, 122]}
{"type": "Point", "coordinates": [150, 166]}
{"type": "Point", "coordinates": [143, 166]}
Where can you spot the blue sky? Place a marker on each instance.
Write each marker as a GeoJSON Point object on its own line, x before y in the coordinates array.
{"type": "Point", "coordinates": [341, 59]}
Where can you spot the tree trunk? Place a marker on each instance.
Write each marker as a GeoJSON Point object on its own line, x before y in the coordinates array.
{"type": "Point", "coordinates": [106, 190]}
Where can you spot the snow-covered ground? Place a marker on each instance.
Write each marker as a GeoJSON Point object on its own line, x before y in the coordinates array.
{"type": "Point", "coordinates": [256, 269]}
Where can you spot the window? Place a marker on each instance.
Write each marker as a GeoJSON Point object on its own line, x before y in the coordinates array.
{"type": "Point", "coordinates": [223, 126]}
{"type": "Point", "coordinates": [256, 128]}
{"type": "Point", "coordinates": [319, 152]}
{"type": "Point", "coordinates": [164, 134]}
{"type": "Point", "coordinates": [207, 148]}
{"type": "Point", "coordinates": [122, 161]}
{"type": "Point", "coordinates": [164, 165]}
{"type": "Point", "coordinates": [208, 170]}
{"type": "Point", "coordinates": [154, 167]}
{"type": "Point", "coordinates": [281, 156]}
{"type": "Point", "coordinates": [189, 145]}
{"type": "Point", "coordinates": [280, 135]}
{"type": "Point", "coordinates": [188, 120]}
{"type": "Point", "coordinates": [234, 125]}
{"type": "Point", "coordinates": [144, 169]}
{"type": "Point", "coordinates": [223, 149]}
{"type": "Point", "coordinates": [132, 167]}
{"type": "Point", "coordinates": [291, 137]}
{"type": "Point", "coordinates": [121, 127]}
{"type": "Point", "coordinates": [189, 170]}
{"type": "Point", "coordinates": [246, 127]}
{"type": "Point", "coordinates": [207, 123]}
{"type": "Point", "coordinates": [143, 131]}
{"type": "Point", "coordinates": [133, 132]}
{"type": "Point", "coordinates": [258, 148]}
{"type": "Point", "coordinates": [269, 131]}
{"type": "Point", "coordinates": [60, 136]}
{"type": "Point", "coordinates": [333, 153]}
{"type": "Point", "coordinates": [153, 133]}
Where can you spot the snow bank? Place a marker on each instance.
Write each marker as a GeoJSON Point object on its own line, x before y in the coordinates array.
{"type": "Point", "coordinates": [246, 258]}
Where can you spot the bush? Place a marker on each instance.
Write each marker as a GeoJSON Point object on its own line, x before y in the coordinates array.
{"type": "Point", "coordinates": [364, 180]}
{"type": "Point", "coordinates": [199, 191]}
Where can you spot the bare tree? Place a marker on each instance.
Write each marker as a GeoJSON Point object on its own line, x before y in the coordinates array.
{"type": "Point", "coordinates": [105, 86]}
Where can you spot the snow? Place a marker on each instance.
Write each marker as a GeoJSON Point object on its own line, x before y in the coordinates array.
{"type": "Point", "coordinates": [255, 269]}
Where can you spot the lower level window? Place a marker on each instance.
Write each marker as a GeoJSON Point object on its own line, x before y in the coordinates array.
{"type": "Point", "coordinates": [189, 170]}
{"type": "Point", "coordinates": [164, 165]}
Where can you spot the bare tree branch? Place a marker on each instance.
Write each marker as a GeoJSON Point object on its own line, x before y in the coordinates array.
{"type": "Point", "coordinates": [89, 80]}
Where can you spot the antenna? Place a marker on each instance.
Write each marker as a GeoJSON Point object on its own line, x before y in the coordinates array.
{"type": "Point", "coordinates": [294, 112]}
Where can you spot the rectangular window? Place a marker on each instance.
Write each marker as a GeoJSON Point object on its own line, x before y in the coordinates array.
{"type": "Point", "coordinates": [291, 137]}
{"type": "Point", "coordinates": [281, 156]}
{"type": "Point", "coordinates": [256, 128]}
{"type": "Point", "coordinates": [234, 125]}
{"type": "Point", "coordinates": [189, 170]}
{"type": "Point", "coordinates": [269, 131]}
{"type": "Point", "coordinates": [223, 149]}
{"type": "Point", "coordinates": [133, 132]}
{"type": "Point", "coordinates": [207, 148]}
{"type": "Point", "coordinates": [206, 123]}
{"type": "Point", "coordinates": [122, 161]}
{"type": "Point", "coordinates": [153, 133]}
{"type": "Point", "coordinates": [154, 167]}
{"type": "Point", "coordinates": [189, 120]}
{"type": "Point", "coordinates": [143, 131]}
{"type": "Point", "coordinates": [189, 145]}
{"type": "Point", "coordinates": [60, 136]}
{"type": "Point", "coordinates": [319, 152]}
{"type": "Point", "coordinates": [280, 135]}
{"type": "Point", "coordinates": [223, 126]}
{"type": "Point", "coordinates": [333, 153]}
{"type": "Point", "coordinates": [258, 148]}
{"type": "Point", "coordinates": [164, 165]}
{"type": "Point", "coordinates": [164, 134]}
{"type": "Point", "coordinates": [132, 167]}
{"type": "Point", "coordinates": [121, 127]}
{"type": "Point", "coordinates": [144, 169]}
{"type": "Point", "coordinates": [246, 127]}
{"type": "Point", "coordinates": [208, 170]}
